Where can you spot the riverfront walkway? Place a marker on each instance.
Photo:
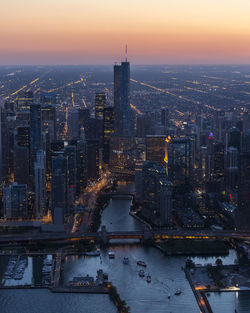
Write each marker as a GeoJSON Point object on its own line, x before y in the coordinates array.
{"type": "Point", "coordinates": [199, 295]}
{"type": "Point", "coordinates": [57, 271]}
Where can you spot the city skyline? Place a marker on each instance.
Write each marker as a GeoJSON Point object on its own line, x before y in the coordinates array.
{"type": "Point", "coordinates": [95, 32]}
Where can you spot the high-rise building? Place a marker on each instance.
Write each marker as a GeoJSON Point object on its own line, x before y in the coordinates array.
{"type": "Point", "coordinates": [40, 184]}
{"type": "Point", "coordinates": [123, 115]}
{"type": "Point", "coordinates": [81, 162]}
{"type": "Point", "coordinates": [48, 117]}
{"type": "Point", "coordinates": [100, 102]}
{"type": "Point", "coordinates": [15, 201]}
{"type": "Point", "coordinates": [93, 158]}
{"type": "Point", "coordinates": [58, 186]}
{"type": "Point", "coordinates": [48, 98]}
{"type": "Point", "coordinates": [156, 149]}
{"type": "Point", "coordinates": [154, 192]}
{"type": "Point", "coordinates": [35, 133]}
{"type": "Point", "coordinates": [121, 158]}
{"type": "Point", "coordinates": [70, 154]}
{"type": "Point", "coordinates": [73, 123]}
{"type": "Point", "coordinates": [165, 119]}
{"type": "Point", "coordinates": [179, 161]}
{"type": "Point", "coordinates": [108, 130]}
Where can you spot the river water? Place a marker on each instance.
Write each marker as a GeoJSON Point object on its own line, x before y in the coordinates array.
{"type": "Point", "coordinates": [165, 271]}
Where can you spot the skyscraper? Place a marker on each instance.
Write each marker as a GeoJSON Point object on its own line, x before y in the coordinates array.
{"type": "Point", "coordinates": [100, 102]}
{"type": "Point", "coordinates": [58, 190]}
{"type": "Point", "coordinates": [154, 192]}
{"type": "Point", "coordinates": [108, 130]}
{"type": "Point", "coordinates": [15, 201]}
{"type": "Point", "coordinates": [156, 149]}
{"type": "Point", "coordinates": [40, 185]}
{"type": "Point", "coordinates": [123, 115]}
{"type": "Point", "coordinates": [35, 133]}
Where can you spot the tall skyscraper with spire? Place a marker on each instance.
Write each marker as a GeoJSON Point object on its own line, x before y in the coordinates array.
{"type": "Point", "coordinates": [122, 109]}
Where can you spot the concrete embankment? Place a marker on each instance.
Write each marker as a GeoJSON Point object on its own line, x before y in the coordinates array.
{"type": "Point", "coordinates": [80, 289]}
{"type": "Point", "coordinates": [199, 295]}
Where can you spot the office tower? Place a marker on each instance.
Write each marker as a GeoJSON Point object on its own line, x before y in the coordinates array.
{"type": "Point", "coordinates": [165, 119]}
{"type": "Point", "coordinates": [48, 117]}
{"type": "Point", "coordinates": [108, 130]}
{"type": "Point", "coordinates": [40, 184]}
{"type": "Point", "coordinates": [156, 149]}
{"type": "Point", "coordinates": [139, 181]}
{"type": "Point", "coordinates": [144, 125]}
{"type": "Point", "coordinates": [245, 141]}
{"type": "Point", "coordinates": [121, 158]}
{"type": "Point", "coordinates": [70, 154]}
{"type": "Point", "coordinates": [15, 201]}
{"type": "Point", "coordinates": [243, 216]}
{"type": "Point", "coordinates": [123, 116]}
{"type": "Point", "coordinates": [35, 133]}
{"type": "Point", "coordinates": [7, 138]}
{"type": "Point", "coordinates": [100, 102]}
{"type": "Point", "coordinates": [94, 129]}
{"type": "Point", "coordinates": [218, 164]}
{"type": "Point", "coordinates": [234, 138]}
{"type": "Point", "coordinates": [58, 216]}
{"type": "Point", "coordinates": [154, 192]}
{"type": "Point", "coordinates": [219, 125]}
{"type": "Point", "coordinates": [93, 158]}
{"type": "Point", "coordinates": [24, 101]}
{"type": "Point", "coordinates": [179, 161]}
{"type": "Point", "coordinates": [232, 172]}
{"type": "Point", "coordinates": [81, 163]}
{"type": "Point", "coordinates": [246, 121]}
{"type": "Point", "coordinates": [83, 117]}
{"type": "Point", "coordinates": [73, 123]}
{"type": "Point", "coordinates": [48, 98]}
{"type": "Point", "coordinates": [164, 201]}
{"type": "Point", "coordinates": [22, 155]}
{"type": "Point", "coordinates": [244, 174]}
{"type": "Point", "coordinates": [21, 164]}
{"type": "Point", "coordinates": [58, 185]}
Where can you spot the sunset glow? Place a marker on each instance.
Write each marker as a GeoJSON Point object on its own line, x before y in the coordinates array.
{"type": "Point", "coordinates": [96, 31]}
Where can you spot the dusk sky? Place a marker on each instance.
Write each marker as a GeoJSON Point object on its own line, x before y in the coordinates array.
{"type": "Point", "coordinates": [96, 31]}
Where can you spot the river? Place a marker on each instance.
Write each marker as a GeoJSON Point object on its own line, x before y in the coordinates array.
{"type": "Point", "coordinates": [141, 296]}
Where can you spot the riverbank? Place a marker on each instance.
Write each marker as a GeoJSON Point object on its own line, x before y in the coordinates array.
{"type": "Point", "coordinates": [193, 247]}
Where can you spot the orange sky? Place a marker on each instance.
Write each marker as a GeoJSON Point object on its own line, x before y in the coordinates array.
{"type": "Point", "coordinates": [96, 31]}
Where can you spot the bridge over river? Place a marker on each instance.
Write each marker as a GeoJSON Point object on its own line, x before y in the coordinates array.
{"type": "Point", "coordinates": [105, 236]}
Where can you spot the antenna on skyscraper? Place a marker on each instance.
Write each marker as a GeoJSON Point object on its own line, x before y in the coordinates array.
{"type": "Point", "coordinates": [126, 53]}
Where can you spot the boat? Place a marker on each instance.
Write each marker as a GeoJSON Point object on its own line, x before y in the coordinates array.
{"type": "Point", "coordinates": [111, 254]}
{"type": "Point", "coordinates": [125, 260]}
{"type": "Point", "coordinates": [148, 279]}
{"type": "Point", "coordinates": [177, 292]}
{"type": "Point", "coordinates": [141, 263]}
{"type": "Point", "coordinates": [141, 273]}
{"type": "Point", "coordinates": [93, 253]}
{"type": "Point", "coordinates": [169, 296]}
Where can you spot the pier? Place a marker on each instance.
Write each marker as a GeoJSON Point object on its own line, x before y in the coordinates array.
{"type": "Point", "coordinates": [199, 295]}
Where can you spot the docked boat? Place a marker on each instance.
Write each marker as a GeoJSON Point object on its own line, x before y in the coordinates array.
{"type": "Point", "coordinates": [177, 292]}
{"type": "Point", "coordinates": [141, 263]}
{"type": "Point", "coordinates": [125, 260]}
{"type": "Point", "coordinates": [141, 273]}
{"type": "Point", "coordinates": [111, 254]}
{"type": "Point", "coordinates": [148, 279]}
